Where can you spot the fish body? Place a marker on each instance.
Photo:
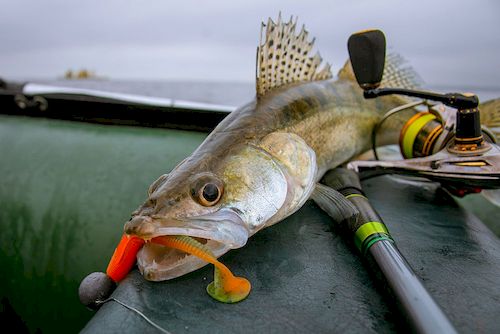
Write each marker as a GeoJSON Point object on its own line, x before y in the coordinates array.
{"type": "Point", "coordinates": [261, 163]}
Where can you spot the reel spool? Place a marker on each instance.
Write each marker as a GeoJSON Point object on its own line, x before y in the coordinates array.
{"type": "Point", "coordinates": [424, 135]}
{"type": "Point", "coordinates": [419, 135]}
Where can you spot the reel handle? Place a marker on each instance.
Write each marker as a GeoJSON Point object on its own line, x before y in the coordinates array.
{"type": "Point", "coordinates": [367, 54]}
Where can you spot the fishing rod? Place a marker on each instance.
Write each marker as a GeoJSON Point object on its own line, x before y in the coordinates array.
{"type": "Point", "coordinates": [375, 243]}
{"type": "Point", "coordinates": [448, 147]}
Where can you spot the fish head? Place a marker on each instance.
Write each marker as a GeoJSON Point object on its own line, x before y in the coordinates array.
{"type": "Point", "coordinates": [218, 200]}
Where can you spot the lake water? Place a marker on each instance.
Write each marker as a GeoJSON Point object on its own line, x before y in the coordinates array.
{"type": "Point", "coordinates": [225, 93]}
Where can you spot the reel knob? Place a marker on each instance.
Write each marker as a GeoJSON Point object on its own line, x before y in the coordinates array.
{"type": "Point", "coordinates": [468, 135]}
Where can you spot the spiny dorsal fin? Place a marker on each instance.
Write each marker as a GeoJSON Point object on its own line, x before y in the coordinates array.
{"type": "Point", "coordinates": [284, 57]}
{"type": "Point", "coordinates": [397, 74]}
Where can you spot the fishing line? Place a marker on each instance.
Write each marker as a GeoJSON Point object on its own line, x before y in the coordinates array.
{"type": "Point", "coordinates": [151, 322]}
{"type": "Point", "coordinates": [386, 116]}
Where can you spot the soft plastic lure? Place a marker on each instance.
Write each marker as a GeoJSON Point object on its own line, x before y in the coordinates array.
{"type": "Point", "coordinates": [225, 288]}
{"type": "Point", "coordinates": [124, 257]}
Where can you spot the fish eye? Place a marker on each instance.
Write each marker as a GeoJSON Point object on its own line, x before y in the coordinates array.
{"type": "Point", "coordinates": [207, 191]}
{"type": "Point", "coordinates": [210, 193]}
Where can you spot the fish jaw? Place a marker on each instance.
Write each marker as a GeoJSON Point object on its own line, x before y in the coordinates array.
{"type": "Point", "coordinates": [219, 232]}
{"type": "Point", "coordinates": [262, 184]}
{"type": "Point", "coordinates": [158, 263]}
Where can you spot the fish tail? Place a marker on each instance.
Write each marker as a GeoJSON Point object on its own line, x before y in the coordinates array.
{"type": "Point", "coordinates": [490, 116]}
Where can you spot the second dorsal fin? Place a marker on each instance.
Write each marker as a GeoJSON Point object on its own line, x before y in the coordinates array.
{"type": "Point", "coordinates": [284, 57]}
{"type": "Point", "coordinates": [397, 73]}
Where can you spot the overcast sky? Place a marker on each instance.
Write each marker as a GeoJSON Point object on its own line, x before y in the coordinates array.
{"type": "Point", "coordinates": [452, 43]}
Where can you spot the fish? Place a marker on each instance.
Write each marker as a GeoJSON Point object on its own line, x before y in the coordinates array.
{"type": "Point", "coordinates": [263, 161]}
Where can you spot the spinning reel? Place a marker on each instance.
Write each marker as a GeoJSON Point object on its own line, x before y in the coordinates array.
{"type": "Point", "coordinates": [442, 144]}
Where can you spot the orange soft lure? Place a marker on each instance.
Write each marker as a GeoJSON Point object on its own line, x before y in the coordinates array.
{"type": "Point", "coordinates": [226, 287]}
{"type": "Point", "coordinates": [124, 257]}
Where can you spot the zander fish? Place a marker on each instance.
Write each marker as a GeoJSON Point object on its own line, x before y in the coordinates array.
{"type": "Point", "coordinates": [262, 162]}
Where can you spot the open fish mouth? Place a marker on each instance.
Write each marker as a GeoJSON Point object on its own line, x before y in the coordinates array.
{"type": "Point", "coordinates": [159, 263]}
{"type": "Point", "coordinates": [218, 232]}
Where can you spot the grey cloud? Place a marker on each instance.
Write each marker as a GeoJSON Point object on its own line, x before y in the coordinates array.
{"type": "Point", "coordinates": [450, 42]}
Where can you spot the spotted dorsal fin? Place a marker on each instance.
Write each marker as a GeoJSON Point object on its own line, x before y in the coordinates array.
{"type": "Point", "coordinates": [397, 73]}
{"type": "Point", "coordinates": [284, 57]}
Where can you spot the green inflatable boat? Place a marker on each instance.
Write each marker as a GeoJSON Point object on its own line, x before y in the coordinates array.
{"type": "Point", "coordinates": [74, 165]}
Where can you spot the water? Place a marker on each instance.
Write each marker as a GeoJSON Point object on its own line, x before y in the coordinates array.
{"type": "Point", "coordinates": [225, 93]}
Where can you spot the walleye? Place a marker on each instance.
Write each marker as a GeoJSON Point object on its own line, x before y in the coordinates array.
{"type": "Point", "coordinates": [262, 162]}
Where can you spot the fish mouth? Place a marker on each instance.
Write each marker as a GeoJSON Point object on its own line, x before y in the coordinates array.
{"type": "Point", "coordinates": [219, 232]}
{"type": "Point", "coordinates": [160, 263]}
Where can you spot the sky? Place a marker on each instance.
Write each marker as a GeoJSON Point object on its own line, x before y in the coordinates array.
{"type": "Point", "coordinates": [449, 43]}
